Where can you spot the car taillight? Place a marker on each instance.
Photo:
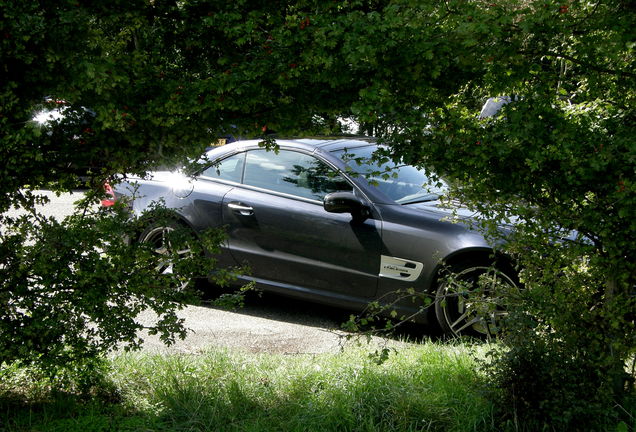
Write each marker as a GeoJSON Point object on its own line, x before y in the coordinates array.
{"type": "Point", "coordinates": [110, 199]}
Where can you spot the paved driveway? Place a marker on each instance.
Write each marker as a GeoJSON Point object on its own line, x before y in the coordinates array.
{"type": "Point", "coordinates": [268, 323]}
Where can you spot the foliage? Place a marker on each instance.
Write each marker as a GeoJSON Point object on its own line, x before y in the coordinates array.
{"type": "Point", "coordinates": [107, 76]}
{"type": "Point", "coordinates": [73, 289]}
{"type": "Point", "coordinates": [560, 161]}
{"type": "Point", "coordinates": [164, 78]}
{"type": "Point", "coordinates": [566, 329]}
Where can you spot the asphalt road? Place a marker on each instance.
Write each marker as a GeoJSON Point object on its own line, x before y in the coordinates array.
{"type": "Point", "coordinates": [267, 323]}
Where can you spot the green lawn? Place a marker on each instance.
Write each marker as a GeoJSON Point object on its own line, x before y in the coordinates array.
{"type": "Point", "coordinates": [428, 387]}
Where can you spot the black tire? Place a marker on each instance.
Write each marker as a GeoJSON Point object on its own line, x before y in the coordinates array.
{"type": "Point", "coordinates": [468, 300]}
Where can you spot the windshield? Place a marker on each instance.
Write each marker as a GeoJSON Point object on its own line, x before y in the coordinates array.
{"type": "Point", "coordinates": [404, 184]}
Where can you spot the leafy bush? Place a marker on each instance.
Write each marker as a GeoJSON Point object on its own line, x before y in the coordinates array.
{"type": "Point", "coordinates": [566, 345]}
{"type": "Point", "coordinates": [72, 289]}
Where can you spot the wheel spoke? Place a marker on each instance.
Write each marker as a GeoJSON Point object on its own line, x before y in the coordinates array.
{"type": "Point", "coordinates": [161, 250]}
{"type": "Point", "coordinates": [460, 319]}
{"type": "Point", "coordinates": [183, 252]}
{"type": "Point", "coordinates": [461, 306]}
{"type": "Point", "coordinates": [164, 267]}
{"type": "Point", "coordinates": [467, 324]}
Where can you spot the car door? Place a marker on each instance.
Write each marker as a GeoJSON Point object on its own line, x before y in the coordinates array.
{"type": "Point", "coordinates": [206, 199]}
{"type": "Point", "coordinates": [277, 225]}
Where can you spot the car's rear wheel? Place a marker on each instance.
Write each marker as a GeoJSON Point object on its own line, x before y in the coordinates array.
{"type": "Point", "coordinates": [163, 241]}
{"type": "Point", "coordinates": [469, 300]}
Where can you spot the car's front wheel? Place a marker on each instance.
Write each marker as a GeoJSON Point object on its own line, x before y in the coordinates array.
{"type": "Point", "coordinates": [469, 300]}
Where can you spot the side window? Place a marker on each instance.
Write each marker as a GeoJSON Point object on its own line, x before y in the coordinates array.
{"type": "Point", "coordinates": [230, 168]}
{"type": "Point", "coordinates": [292, 173]}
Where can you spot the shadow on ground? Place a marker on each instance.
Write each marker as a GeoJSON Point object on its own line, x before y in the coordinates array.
{"type": "Point", "coordinates": [296, 311]}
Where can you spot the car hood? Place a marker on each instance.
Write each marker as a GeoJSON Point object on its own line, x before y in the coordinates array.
{"type": "Point", "coordinates": [452, 210]}
{"type": "Point", "coordinates": [456, 213]}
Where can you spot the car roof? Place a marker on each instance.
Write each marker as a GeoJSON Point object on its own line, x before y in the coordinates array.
{"type": "Point", "coordinates": [307, 144]}
{"type": "Point", "coordinates": [333, 144]}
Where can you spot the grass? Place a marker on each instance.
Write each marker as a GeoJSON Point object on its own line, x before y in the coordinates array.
{"type": "Point", "coordinates": [428, 387]}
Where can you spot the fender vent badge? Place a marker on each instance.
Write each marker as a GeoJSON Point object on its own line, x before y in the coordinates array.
{"type": "Point", "coordinates": [400, 268]}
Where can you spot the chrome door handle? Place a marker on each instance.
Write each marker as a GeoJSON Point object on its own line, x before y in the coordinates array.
{"type": "Point", "coordinates": [241, 209]}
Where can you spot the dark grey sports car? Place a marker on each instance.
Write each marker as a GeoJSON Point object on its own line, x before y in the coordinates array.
{"type": "Point", "coordinates": [319, 219]}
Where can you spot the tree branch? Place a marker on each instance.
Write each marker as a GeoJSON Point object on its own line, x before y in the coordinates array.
{"type": "Point", "coordinates": [587, 65]}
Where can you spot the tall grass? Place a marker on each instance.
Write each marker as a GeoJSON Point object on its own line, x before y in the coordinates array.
{"type": "Point", "coordinates": [427, 387]}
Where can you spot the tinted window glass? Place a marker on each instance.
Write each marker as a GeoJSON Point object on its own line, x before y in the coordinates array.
{"type": "Point", "coordinates": [228, 169]}
{"type": "Point", "coordinates": [404, 184]}
{"type": "Point", "coordinates": [292, 173]}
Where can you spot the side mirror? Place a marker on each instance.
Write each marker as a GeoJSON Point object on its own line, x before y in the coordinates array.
{"type": "Point", "coordinates": [347, 202]}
